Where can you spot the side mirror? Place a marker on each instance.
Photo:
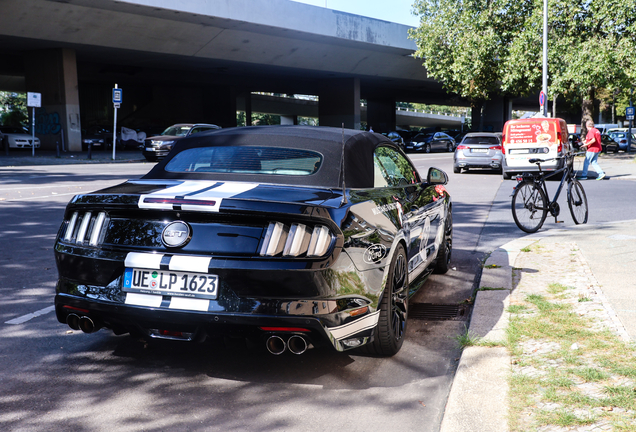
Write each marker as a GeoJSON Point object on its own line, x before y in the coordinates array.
{"type": "Point", "coordinates": [436, 176]}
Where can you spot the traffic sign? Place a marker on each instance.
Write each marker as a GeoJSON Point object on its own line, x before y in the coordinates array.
{"type": "Point", "coordinates": [542, 98]}
{"type": "Point", "coordinates": [34, 99]}
{"type": "Point", "coordinates": [629, 113]}
{"type": "Point", "coordinates": [117, 95]}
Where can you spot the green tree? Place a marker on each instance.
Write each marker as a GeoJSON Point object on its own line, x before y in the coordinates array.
{"type": "Point", "coordinates": [478, 48]}
{"type": "Point", "coordinates": [590, 50]}
{"type": "Point", "coordinates": [14, 109]}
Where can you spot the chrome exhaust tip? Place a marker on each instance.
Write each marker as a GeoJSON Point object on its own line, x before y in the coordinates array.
{"type": "Point", "coordinates": [297, 344]}
{"type": "Point", "coordinates": [87, 325]}
{"type": "Point", "coordinates": [73, 321]}
{"type": "Point", "coordinates": [276, 345]}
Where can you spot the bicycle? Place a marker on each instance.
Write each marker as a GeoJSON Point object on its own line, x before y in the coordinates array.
{"type": "Point", "coordinates": [530, 205]}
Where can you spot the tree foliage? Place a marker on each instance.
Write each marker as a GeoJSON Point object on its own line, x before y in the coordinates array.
{"type": "Point", "coordinates": [478, 48]}
{"type": "Point", "coordinates": [13, 109]}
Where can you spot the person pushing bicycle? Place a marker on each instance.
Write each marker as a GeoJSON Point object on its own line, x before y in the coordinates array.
{"type": "Point", "coordinates": [593, 148]}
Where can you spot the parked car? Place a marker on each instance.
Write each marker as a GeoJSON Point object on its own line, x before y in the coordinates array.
{"type": "Point", "coordinates": [621, 138]}
{"type": "Point", "coordinates": [478, 150]}
{"type": "Point", "coordinates": [158, 147]}
{"type": "Point", "coordinates": [291, 236]}
{"type": "Point", "coordinates": [98, 137]}
{"type": "Point", "coordinates": [396, 138]}
{"type": "Point", "coordinates": [432, 141]}
{"type": "Point", "coordinates": [610, 144]}
{"type": "Point", "coordinates": [575, 140]}
{"type": "Point", "coordinates": [16, 137]}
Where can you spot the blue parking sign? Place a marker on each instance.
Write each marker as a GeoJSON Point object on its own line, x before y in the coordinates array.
{"type": "Point", "coordinates": [117, 95]}
{"type": "Point", "coordinates": [629, 113]}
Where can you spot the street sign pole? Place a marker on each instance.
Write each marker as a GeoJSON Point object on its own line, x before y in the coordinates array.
{"type": "Point", "coordinates": [629, 114]}
{"type": "Point", "coordinates": [117, 98]}
{"type": "Point", "coordinates": [33, 100]}
{"type": "Point", "coordinates": [544, 105]}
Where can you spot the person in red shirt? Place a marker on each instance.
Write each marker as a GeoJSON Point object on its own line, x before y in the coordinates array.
{"type": "Point", "coordinates": [592, 148]}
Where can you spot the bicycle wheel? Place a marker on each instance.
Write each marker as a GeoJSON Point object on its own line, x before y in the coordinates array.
{"type": "Point", "coordinates": [529, 207]}
{"type": "Point", "coordinates": [577, 201]}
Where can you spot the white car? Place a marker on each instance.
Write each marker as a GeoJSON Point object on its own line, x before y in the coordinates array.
{"type": "Point", "coordinates": [17, 137]}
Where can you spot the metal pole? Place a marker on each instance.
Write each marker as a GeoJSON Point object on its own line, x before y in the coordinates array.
{"type": "Point", "coordinates": [545, 56]}
{"type": "Point", "coordinates": [115, 130]}
{"type": "Point", "coordinates": [33, 135]}
{"type": "Point", "coordinates": [629, 131]}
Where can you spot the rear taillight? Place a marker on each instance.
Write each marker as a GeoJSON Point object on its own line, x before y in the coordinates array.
{"type": "Point", "coordinates": [498, 147]}
{"type": "Point", "coordinates": [295, 240]}
{"type": "Point", "coordinates": [463, 147]}
{"type": "Point", "coordinates": [85, 228]}
{"type": "Point", "coordinates": [560, 147]}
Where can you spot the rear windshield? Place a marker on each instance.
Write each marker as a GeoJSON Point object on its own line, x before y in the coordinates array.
{"type": "Point", "coordinates": [246, 160]}
{"type": "Point", "coordinates": [481, 140]}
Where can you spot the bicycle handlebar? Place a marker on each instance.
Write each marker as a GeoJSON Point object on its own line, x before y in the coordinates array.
{"type": "Point", "coordinates": [538, 161]}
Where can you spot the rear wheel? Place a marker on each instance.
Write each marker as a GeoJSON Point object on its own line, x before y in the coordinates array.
{"type": "Point", "coordinates": [529, 207]}
{"type": "Point", "coordinates": [446, 248]}
{"type": "Point", "coordinates": [457, 170]}
{"type": "Point", "coordinates": [505, 175]}
{"type": "Point", "coordinates": [427, 148]}
{"type": "Point", "coordinates": [391, 328]}
{"type": "Point", "coordinates": [577, 201]}
{"type": "Point", "coordinates": [450, 148]}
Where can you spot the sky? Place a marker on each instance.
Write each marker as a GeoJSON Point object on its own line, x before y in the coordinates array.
{"type": "Point", "coordinates": [398, 11]}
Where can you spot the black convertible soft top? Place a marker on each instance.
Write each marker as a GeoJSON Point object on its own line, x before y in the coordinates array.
{"type": "Point", "coordinates": [359, 147]}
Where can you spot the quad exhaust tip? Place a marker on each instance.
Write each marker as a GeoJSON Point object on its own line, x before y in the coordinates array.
{"type": "Point", "coordinates": [84, 323]}
{"type": "Point", "coordinates": [295, 344]}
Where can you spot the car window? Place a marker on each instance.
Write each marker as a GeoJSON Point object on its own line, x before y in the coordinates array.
{"type": "Point", "coordinates": [246, 160]}
{"type": "Point", "coordinates": [481, 140]}
{"type": "Point", "coordinates": [391, 168]}
{"type": "Point", "coordinates": [176, 131]}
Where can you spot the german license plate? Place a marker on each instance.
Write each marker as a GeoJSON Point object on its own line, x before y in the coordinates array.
{"type": "Point", "coordinates": [173, 283]}
{"type": "Point", "coordinates": [478, 150]}
{"type": "Point", "coordinates": [518, 151]}
{"type": "Point", "coordinates": [150, 149]}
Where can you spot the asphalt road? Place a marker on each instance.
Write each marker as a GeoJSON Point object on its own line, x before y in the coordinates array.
{"type": "Point", "coordinates": [52, 378]}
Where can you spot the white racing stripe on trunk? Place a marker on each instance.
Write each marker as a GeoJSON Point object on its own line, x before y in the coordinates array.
{"type": "Point", "coordinates": [149, 300]}
{"type": "Point", "coordinates": [197, 190]}
{"type": "Point", "coordinates": [144, 260]}
{"type": "Point", "coordinates": [364, 323]}
{"type": "Point", "coordinates": [185, 303]}
{"type": "Point", "coordinates": [189, 263]}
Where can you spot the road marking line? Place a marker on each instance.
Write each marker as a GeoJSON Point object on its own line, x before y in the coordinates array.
{"type": "Point", "coordinates": [27, 317]}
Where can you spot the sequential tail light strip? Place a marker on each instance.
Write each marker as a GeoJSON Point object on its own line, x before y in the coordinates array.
{"type": "Point", "coordinates": [296, 240]}
{"type": "Point", "coordinates": [89, 227]}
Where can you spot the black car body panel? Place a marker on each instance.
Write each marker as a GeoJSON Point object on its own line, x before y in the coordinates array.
{"type": "Point", "coordinates": [242, 253]}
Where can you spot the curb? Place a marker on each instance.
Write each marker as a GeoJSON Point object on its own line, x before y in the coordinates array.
{"type": "Point", "coordinates": [478, 399]}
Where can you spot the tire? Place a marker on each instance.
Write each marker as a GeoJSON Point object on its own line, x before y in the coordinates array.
{"type": "Point", "coordinates": [390, 331]}
{"type": "Point", "coordinates": [427, 148]}
{"type": "Point", "coordinates": [505, 175]}
{"type": "Point", "coordinates": [577, 201]}
{"type": "Point", "coordinates": [450, 148]}
{"type": "Point", "coordinates": [529, 207]}
{"type": "Point", "coordinates": [457, 170]}
{"type": "Point", "coordinates": [446, 249]}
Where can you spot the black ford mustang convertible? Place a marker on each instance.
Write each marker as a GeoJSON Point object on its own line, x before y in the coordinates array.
{"type": "Point", "coordinates": [293, 236]}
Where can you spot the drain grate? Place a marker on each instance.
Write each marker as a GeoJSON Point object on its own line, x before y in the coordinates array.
{"type": "Point", "coordinates": [438, 312]}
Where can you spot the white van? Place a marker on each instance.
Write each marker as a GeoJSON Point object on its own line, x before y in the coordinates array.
{"type": "Point", "coordinates": [542, 138]}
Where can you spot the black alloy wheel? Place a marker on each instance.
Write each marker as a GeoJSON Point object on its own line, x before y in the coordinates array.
{"type": "Point", "coordinates": [391, 328]}
{"type": "Point", "coordinates": [427, 148]}
{"type": "Point", "coordinates": [446, 248]}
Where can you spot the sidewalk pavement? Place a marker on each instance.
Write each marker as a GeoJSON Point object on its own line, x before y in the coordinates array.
{"type": "Point", "coordinates": [598, 260]}
{"type": "Point", "coordinates": [24, 157]}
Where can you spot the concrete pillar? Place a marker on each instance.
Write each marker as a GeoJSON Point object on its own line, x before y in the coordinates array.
{"type": "Point", "coordinates": [288, 120]}
{"type": "Point", "coordinates": [381, 115]}
{"type": "Point", "coordinates": [53, 73]}
{"type": "Point", "coordinates": [339, 102]}
{"type": "Point", "coordinates": [220, 106]}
